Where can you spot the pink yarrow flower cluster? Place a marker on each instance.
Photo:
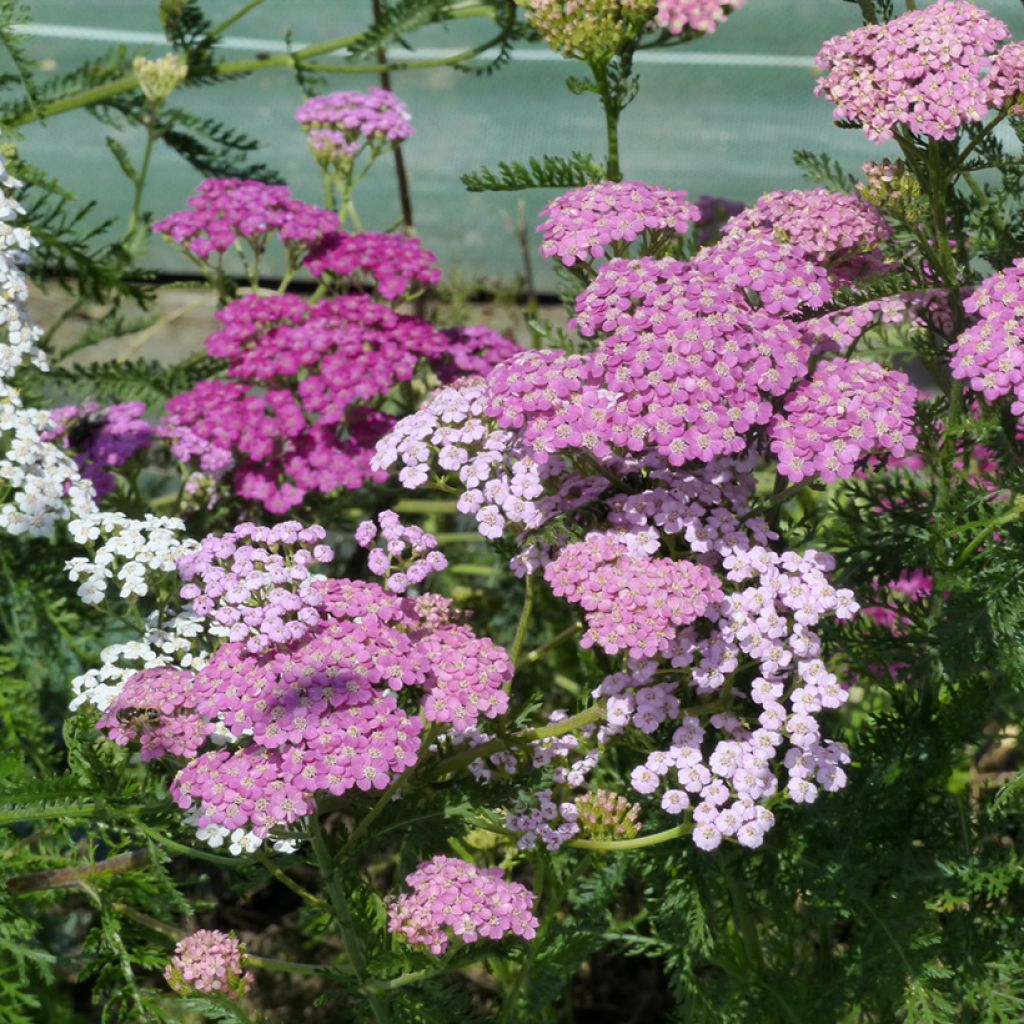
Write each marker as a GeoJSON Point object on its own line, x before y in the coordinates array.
{"type": "Point", "coordinates": [255, 583]}
{"type": "Point", "coordinates": [583, 225]}
{"type": "Point", "coordinates": [209, 962]}
{"type": "Point", "coordinates": [924, 71]}
{"type": "Point", "coordinates": [633, 603]}
{"type": "Point", "coordinates": [340, 125]}
{"type": "Point", "coordinates": [677, 16]}
{"type": "Point", "coordinates": [226, 211]}
{"type": "Point", "coordinates": [452, 899]}
{"type": "Point", "coordinates": [845, 412]}
{"type": "Point", "coordinates": [100, 438]}
{"type": "Point", "coordinates": [842, 232]}
{"type": "Point", "coordinates": [411, 547]}
{"type": "Point", "coordinates": [989, 354]}
{"type": "Point", "coordinates": [317, 709]}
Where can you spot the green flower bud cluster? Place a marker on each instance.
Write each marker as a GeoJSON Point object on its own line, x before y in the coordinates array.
{"type": "Point", "coordinates": [159, 78]}
{"type": "Point", "coordinates": [606, 815]}
{"type": "Point", "coordinates": [589, 29]}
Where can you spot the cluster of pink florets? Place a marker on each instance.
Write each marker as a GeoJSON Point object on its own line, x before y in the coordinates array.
{"type": "Point", "coordinates": [313, 706]}
{"type": "Point", "coordinates": [989, 353]}
{"type": "Point", "coordinates": [677, 16]}
{"type": "Point", "coordinates": [294, 417]}
{"type": "Point", "coordinates": [391, 262]}
{"type": "Point", "coordinates": [634, 603]}
{"type": "Point", "coordinates": [924, 71]}
{"type": "Point", "coordinates": [842, 232]}
{"type": "Point", "coordinates": [340, 125]}
{"type": "Point", "coordinates": [583, 225]}
{"type": "Point", "coordinates": [100, 438]}
{"type": "Point", "coordinates": [453, 899]}
{"type": "Point", "coordinates": [209, 962]}
{"type": "Point", "coordinates": [256, 584]}
{"type": "Point", "coordinates": [225, 211]}
{"type": "Point", "coordinates": [412, 548]}
{"type": "Point", "coordinates": [846, 411]}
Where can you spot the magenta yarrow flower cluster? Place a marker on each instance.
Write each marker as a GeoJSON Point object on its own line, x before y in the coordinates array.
{"type": "Point", "coordinates": [101, 438]}
{"type": "Point", "coordinates": [392, 263]}
{"type": "Point", "coordinates": [227, 211]}
{"type": "Point", "coordinates": [989, 354]}
{"type": "Point", "coordinates": [452, 899]}
{"type": "Point", "coordinates": [341, 125]}
{"type": "Point", "coordinates": [294, 417]}
{"type": "Point", "coordinates": [255, 583]}
{"type": "Point", "coordinates": [677, 16]}
{"type": "Point", "coordinates": [211, 963]}
{"type": "Point", "coordinates": [336, 705]}
{"type": "Point", "coordinates": [408, 556]}
{"type": "Point", "coordinates": [930, 71]}
{"type": "Point", "coordinates": [583, 225]}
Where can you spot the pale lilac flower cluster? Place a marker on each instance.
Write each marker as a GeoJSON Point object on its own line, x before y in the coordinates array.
{"type": "Point", "coordinates": [414, 549]}
{"type": "Point", "coordinates": [677, 16]}
{"type": "Point", "coordinates": [846, 411]}
{"type": "Point", "coordinates": [633, 603]}
{"type": "Point", "coordinates": [209, 962]}
{"type": "Point", "coordinates": [989, 354]}
{"type": "Point", "coordinates": [924, 71]}
{"type": "Point", "coordinates": [726, 768]}
{"type": "Point", "coordinates": [391, 262]}
{"type": "Point", "coordinates": [341, 125]}
{"type": "Point", "coordinates": [101, 439]}
{"type": "Point", "coordinates": [589, 222]}
{"type": "Point", "coordinates": [256, 583]}
{"type": "Point", "coordinates": [453, 899]}
{"type": "Point", "coordinates": [841, 232]}
{"type": "Point", "coordinates": [227, 211]}
{"type": "Point", "coordinates": [295, 415]}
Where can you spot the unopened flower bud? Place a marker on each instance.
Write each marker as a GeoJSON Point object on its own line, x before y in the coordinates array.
{"type": "Point", "coordinates": [159, 78]}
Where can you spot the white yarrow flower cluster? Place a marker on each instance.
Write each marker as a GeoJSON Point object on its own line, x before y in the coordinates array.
{"type": "Point", "coordinates": [41, 484]}
{"type": "Point", "coordinates": [130, 549]}
{"type": "Point", "coordinates": [168, 644]}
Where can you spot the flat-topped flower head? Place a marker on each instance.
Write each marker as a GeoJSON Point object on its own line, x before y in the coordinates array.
{"type": "Point", "coordinates": [341, 125]}
{"type": "Point", "coordinates": [209, 962]}
{"type": "Point", "coordinates": [603, 219]}
{"type": "Point", "coordinates": [588, 29]}
{"type": "Point", "coordinates": [924, 71]}
{"type": "Point", "coordinates": [678, 16]}
{"type": "Point", "coordinates": [225, 211]}
{"type": "Point", "coordinates": [989, 354]}
{"type": "Point", "coordinates": [452, 899]}
{"type": "Point", "coordinates": [393, 263]}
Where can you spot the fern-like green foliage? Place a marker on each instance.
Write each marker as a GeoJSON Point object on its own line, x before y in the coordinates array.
{"type": "Point", "coordinates": [539, 172]}
{"type": "Point", "coordinates": [822, 169]}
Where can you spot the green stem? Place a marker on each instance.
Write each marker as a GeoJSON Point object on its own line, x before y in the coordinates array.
{"type": "Point", "coordinates": [640, 843]}
{"type": "Point", "coordinates": [346, 924]}
{"type": "Point", "coordinates": [524, 622]}
{"type": "Point", "coordinates": [220, 29]}
{"type": "Point", "coordinates": [289, 882]}
{"type": "Point", "coordinates": [140, 179]}
{"type": "Point", "coordinates": [458, 761]}
{"type": "Point", "coordinates": [744, 921]}
{"type": "Point", "coordinates": [983, 535]}
{"type": "Point", "coordinates": [537, 653]}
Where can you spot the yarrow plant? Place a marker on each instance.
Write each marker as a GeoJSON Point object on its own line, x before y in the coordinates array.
{"type": "Point", "coordinates": [667, 666]}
